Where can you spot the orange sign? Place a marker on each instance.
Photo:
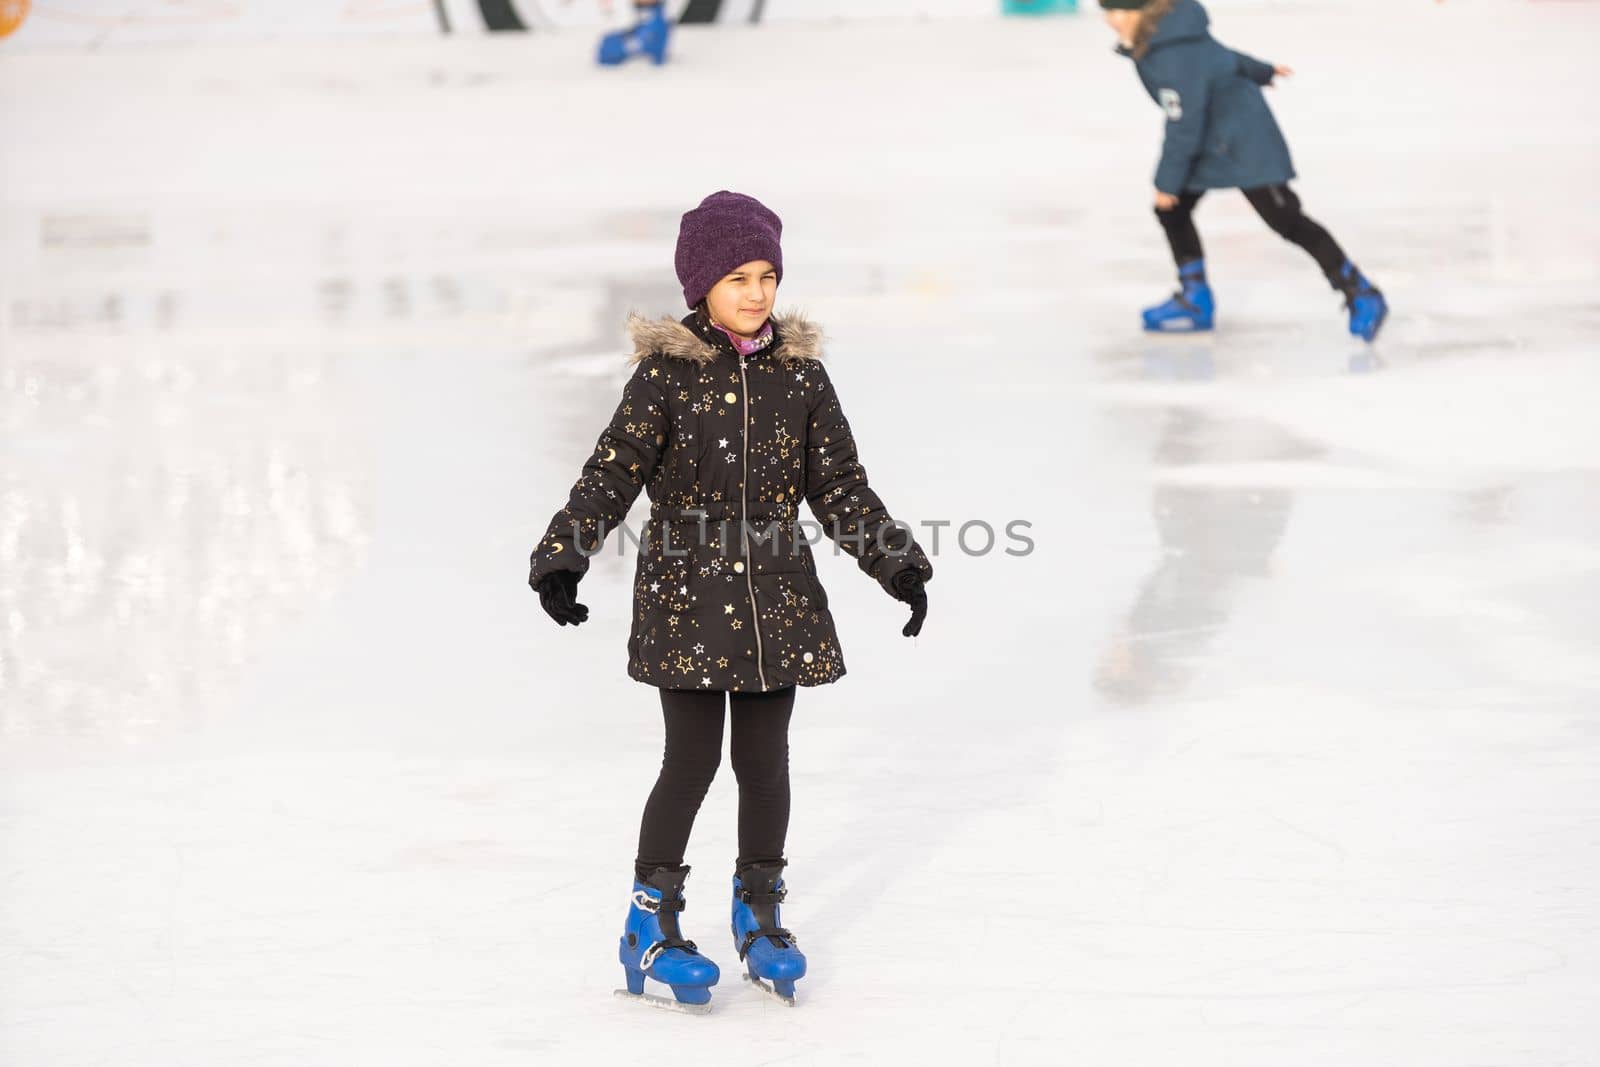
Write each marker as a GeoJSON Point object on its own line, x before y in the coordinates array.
{"type": "Point", "coordinates": [12, 12]}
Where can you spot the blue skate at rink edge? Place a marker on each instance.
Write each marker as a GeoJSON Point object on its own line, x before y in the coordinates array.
{"type": "Point", "coordinates": [649, 39]}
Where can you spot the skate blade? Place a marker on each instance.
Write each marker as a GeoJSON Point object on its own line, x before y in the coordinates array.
{"type": "Point", "coordinates": [767, 988]}
{"type": "Point", "coordinates": [665, 1003]}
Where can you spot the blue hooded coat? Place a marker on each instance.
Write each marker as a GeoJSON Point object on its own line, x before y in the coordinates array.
{"type": "Point", "coordinates": [1220, 132]}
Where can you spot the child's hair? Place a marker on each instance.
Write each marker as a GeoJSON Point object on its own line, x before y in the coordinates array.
{"type": "Point", "coordinates": [1150, 17]}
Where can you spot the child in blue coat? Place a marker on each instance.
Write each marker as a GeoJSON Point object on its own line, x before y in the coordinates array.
{"type": "Point", "coordinates": [1221, 135]}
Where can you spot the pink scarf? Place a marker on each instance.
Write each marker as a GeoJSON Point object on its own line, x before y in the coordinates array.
{"type": "Point", "coordinates": [752, 346]}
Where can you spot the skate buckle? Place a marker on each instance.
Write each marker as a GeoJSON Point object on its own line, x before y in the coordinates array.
{"type": "Point", "coordinates": [655, 906]}
{"type": "Point", "coordinates": [749, 896]}
{"type": "Point", "coordinates": [654, 951]}
{"type": "Point", "coordinates": [755, 935]}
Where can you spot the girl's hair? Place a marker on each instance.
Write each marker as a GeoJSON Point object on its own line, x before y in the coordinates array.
{"type": "Point", "coordinates": [1150, 17]}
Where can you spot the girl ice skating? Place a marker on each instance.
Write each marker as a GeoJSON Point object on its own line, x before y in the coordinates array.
{"type": "Point", "coordinates": [728, 420]}
{"type": "Point", "coordinates": [1221, 135]}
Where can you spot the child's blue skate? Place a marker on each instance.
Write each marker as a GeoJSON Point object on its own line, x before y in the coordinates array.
{"type": "Point", "coordinates": [1364, 301]}
{"type": "Point", "coordinates": [768, 950]}
{"type": "Point", "coordinates": [652, 945]}
{"type": "Point", "coordinates": [648, 38]}
{"type": "Point", "coordinates": [1192, 308]}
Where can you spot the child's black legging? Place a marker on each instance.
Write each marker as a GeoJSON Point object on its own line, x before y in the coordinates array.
{"type": "Point", "coordinates": [1279, 208]}
{"type": "Point", "coordinates": [759, 752]}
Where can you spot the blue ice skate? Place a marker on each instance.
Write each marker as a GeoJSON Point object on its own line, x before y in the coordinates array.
{"type": "Point", "coordinates": [1365, 303]}
{"type": "Point", "coordinates": [648, 38]}
{"type": "Point", "coordinates": [653, 945]}
{"type": "Point", "coordinates": [767, 950]}
{"type": "Point", "coordinates": [1191, 310]}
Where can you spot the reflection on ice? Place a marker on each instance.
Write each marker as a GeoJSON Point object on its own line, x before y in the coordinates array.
{"type": "Point", "coordinates": [1212, 540]}
{"type": "Point", "coordinates": [161, 508]}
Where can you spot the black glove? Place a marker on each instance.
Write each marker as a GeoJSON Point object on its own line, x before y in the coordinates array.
{"type": "Point", "coordinates": [908, 587]}
{"type": "Point", "coordinates": [558, 595]}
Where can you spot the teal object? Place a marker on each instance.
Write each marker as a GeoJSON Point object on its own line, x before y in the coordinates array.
{"type": "Point", "coordinates": [1038, 7]}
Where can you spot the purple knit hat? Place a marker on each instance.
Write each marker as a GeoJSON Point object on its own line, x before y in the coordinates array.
{"type": "Point", "coordinates": [725, 231]}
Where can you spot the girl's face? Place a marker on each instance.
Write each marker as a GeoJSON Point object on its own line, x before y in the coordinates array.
{"type": "Point", "coordinates": [742, 302]}
{"type": "Point", "coordinates": [1126, 23]}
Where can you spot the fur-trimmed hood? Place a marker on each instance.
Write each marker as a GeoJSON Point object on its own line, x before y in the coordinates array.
{"type": "Point", "coordinates": [796, 338]}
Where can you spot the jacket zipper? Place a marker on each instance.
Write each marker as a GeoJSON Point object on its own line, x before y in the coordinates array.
{"type": "Point", "coordinates": [744, 525]}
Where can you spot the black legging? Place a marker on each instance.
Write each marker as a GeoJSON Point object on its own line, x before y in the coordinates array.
{"type": "Point", "coordinates": [759, 752]}
{"type": "Point", "coordinates": [1278, 207]}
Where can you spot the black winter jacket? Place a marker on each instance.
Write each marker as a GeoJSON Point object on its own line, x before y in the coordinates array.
{"type": "Point", "coordinates": [714, 438]}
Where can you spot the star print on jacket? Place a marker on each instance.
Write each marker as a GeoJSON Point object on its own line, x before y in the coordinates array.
{"type": "Point", "coordinates": [712, 437]}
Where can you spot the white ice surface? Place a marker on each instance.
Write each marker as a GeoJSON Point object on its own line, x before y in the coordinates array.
{"type": "Point", "coordinates": [1281, 748]}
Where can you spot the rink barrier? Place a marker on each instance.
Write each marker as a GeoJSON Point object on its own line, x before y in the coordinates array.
{"type": "Point", "coordinates": [517, 16]}
{"type": "Point", "coordinates": [145, 22]}
{"type": "Point", "coordinates": [499, 15]}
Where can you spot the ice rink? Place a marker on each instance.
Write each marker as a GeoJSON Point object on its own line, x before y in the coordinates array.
{"type": "Point", "coordinates": [1281, 747]}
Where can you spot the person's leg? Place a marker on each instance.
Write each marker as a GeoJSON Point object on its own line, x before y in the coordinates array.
{"type": "Point", "coordinates": [1279, 207]}
{"type": "Point", "coordinates": [689, 762]}
{"type": "Point", "coordinates": [759, 751]}
{"type": "Point", "coordinates": [1182, 236]}
{"type": "Point", "coordinates": [760, 755]}
{"type": "Point", "coordinates": [1192, 307]}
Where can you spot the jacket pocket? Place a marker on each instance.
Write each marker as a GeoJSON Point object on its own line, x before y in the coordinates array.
{"type": "Point", "coordinates": [819, 595]}
{"type": "Point", "coordinates": [660, 588]}
{"type": "Point", "coordinates": [818, 592]}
